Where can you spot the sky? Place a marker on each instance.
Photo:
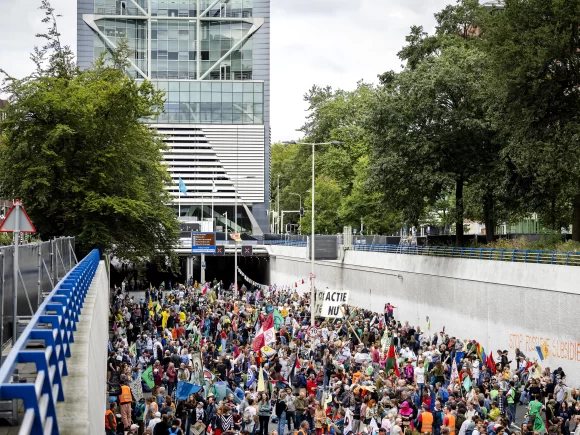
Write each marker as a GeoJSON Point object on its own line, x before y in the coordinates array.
{"type": "Point", "coordinates": [322, 42]}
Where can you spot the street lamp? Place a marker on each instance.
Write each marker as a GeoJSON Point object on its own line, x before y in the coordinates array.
{"type": "Point", "coordinates": [300, 208]}
{"type": "Point", "coordinates": [293, 142]}
{"type": "Point", "coordinates": [236, 228]}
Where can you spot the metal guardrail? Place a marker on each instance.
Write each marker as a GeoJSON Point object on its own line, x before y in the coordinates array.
{"type": "Point", "coordinates": [54, 323]}
{"type": "Point", "coordinates": [496, 254]}
{"type": "Point", "coordinates": [300, 243]}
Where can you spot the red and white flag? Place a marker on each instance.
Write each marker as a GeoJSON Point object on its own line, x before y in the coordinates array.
{"type": "Point", "coordinates": [266, 334]}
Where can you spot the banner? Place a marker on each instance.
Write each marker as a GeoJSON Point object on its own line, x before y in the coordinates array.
{"type": "Point", "coordinates": [329, 303]}
{"type": "Point", "coordinates": [136, 389]}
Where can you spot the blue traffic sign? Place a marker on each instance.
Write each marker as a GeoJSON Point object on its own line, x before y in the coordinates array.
{"type": "Point", "coordinates": [202, 243]}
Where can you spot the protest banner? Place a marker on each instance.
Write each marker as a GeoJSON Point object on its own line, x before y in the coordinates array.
{"type": "Point", "coordinates": [330, 302]}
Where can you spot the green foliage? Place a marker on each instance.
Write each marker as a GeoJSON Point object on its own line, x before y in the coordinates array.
{"type": "Point", "coordinates": [75, 150]}
{"type": "Point", "coordinates": [326, 198]}
{"type": "Point", "coordinates": [481, 123]}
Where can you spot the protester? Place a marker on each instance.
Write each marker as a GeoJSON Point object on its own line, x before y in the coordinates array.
{"type": "Point", "coordinates": [223, 360]}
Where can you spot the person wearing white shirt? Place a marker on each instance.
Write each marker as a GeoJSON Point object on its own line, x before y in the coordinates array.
{"type": "Point", "coordinates": [153, 422]}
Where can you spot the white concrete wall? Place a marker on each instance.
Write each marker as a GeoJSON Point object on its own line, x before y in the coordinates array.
{"type": "Point", "coordinates": [83, 410]}
{"type": "Point", "coordinates": [503, 305]}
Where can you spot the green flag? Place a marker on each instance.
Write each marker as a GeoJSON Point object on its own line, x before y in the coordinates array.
{"type": "Point", "coordinates": [467, 383]}
{"type": "Point", "coordinates": [278, 319]}
{"type": "Point", "coordinates": [163, 284]}
{"type": "Point", "coordinates": [147, 376]}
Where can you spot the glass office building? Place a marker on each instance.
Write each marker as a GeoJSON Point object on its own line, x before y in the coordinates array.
{"type": "Point", "coordinates": [212, 59]}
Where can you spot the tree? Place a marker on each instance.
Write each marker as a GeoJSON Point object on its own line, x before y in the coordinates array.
{"type": "Point", "coordinates": [326, 197]}
{"type": "Point", "coordinates": [532, 50]}
{"type": "Point", "coordinates": [429, 128]}
{"type": "Point", "coordinates": [75, 151]}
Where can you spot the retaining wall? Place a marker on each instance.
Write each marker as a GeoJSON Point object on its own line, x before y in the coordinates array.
{"type": "Point", "coordinates": [83, 410]}
{"type": "Point", "coordinates": [503, 305]}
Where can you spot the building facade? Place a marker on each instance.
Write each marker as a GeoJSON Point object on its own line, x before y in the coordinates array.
{"type": "Point", "coordinates": [212, 59]}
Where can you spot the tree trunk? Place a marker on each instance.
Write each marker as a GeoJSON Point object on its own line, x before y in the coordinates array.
{"type": "Point", "coordinates": [488, 217]}
{"type": "Point", "coordinates": [459, 212]}
{"type": "Point", "coordinates": [553, 212]}
{"type": "Point", "coordinates": [576, 219]}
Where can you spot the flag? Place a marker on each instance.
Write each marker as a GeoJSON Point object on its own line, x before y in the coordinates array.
{"type": "Point", "coordinates": [428, 324]}
{"type": "Point", "coordinates": [185, 389]}
{"type": "Point", "coordinates": [251, 377]}
{"type": "Point", "coordinates": [481, 353]}
{"type": "Point", "coordinates": [491, 364]}
{"type": "Point", "coordinates": [543, 351]}
{"type": "Point", "coordinates": [385, 339]}
{"type": "Point", "coordinates": [347, 421]}
{"type": "Point", "coordinates": [454, 373]}
{"type": "Point", "coordinates": [265, 335]}
{"type": "Point", "coordinates": [295, 367]}
{"type": "Point", "coordinates": [133, 348]}
{"type": "Point", "coordinates": [213, 188]}
{"type": "Point", "coordinates": [391, 363]}
{"type": "Point", "coordinates": [459, 356]}
{"type": "Point", "coordinates": [261, 381]}
{"type": "Point", "coordinates": [147, 376]}
{"type": "Point", "coordinates": [467, 383]}
{"type": "Point", "coordinates": [268, 352]}
{"type": "Point", "coordinates": [182, 186]}
{"type": "Point", "coordinates": [137, 389]}
{"type": "Point", "coordinates": [278, 319]}
{"type": "Point", "coordinates": [163, 284]}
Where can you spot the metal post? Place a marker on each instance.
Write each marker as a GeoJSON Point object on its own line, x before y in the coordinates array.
{"type": "Point", "coordinates": [39, 290]}
{"type": "Point", "coordinates": [202, 268]}
{"type": "Point", "coordinates": [282, 224]}
{"type": "Point", "coordinates": [278, 205]}
{"type": "Point", "coordinates": [15, 272]}
{"type": "Point", "coordinates": [312, 307]}
{"type": "Point", "coordinates": [2, 297]}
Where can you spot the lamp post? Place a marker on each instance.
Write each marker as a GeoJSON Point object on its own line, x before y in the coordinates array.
{"type": "Point", "coordinates": [293, 142]}
{"type": "Point", "coordinates": [300, 208]}
{"type": "Point", "coordinates": [278, 205]}
{"type": "Point", "coordinates": [236, 225]}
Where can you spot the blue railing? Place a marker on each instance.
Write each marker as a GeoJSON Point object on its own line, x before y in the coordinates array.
{"type": "Point", "coordinates": [513, 255]}
{"type": "Point", "coordinates": [54, 323]}
{"type": "Point", "coordinates": [301, 243]}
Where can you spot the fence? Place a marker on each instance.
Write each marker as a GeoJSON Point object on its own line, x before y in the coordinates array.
{"type": "Point", "coordinates": [41, 266]}
{"type": "Point", "coordinates": [53, 323]}
{"type": "Point", "coordinates": [513, 255]}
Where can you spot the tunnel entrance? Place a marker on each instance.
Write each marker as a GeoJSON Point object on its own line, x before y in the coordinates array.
{"type": "Point", "coordinates": [222, 268]}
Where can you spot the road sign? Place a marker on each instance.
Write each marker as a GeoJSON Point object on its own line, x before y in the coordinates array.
{"type": "Point", "coordinates": [220, 251]}
{"type": "Point", "coordinates": [312, 331]}
{"type": "Point", "coordinates": [17, 220]}
{"type": "Point", "coordinates": [202, 243]}
{"type": "Point", "coordinates": [246, 251]}
{"type": "Point", "coordinates": [203, 265]}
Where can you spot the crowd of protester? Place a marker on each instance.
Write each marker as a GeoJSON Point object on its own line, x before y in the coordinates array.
{"type": "Point", "coordinates": [367, 373]}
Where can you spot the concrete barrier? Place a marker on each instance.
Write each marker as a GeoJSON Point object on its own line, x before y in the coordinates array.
{"type": "Point", "coordinates": [503, 305]}
{"type": "Point", "coordinates": [83, 410]}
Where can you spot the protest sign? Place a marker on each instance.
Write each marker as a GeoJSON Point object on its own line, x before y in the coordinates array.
{"type": "Point", "coordinates": [330, 302]}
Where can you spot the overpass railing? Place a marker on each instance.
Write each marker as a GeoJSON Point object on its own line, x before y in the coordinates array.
{"type": "Point", "coordinates": [513, 255]}
{"type": "Point", "coordinates": [54, 324]}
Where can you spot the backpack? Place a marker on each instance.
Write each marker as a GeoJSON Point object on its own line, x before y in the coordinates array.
{"type": "Point", "coordinates": [139, 409]}
{"type": "Point", "coordinates": [470, 428]}
{"type": "Point", "coordinates": [444, 395]}
{"type": "Point", "coordinates": [173, 431]}
{"type": "Point", "coordinates": [247, 416]}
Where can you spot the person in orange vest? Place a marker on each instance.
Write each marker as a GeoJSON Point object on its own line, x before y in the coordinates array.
{"type": "Point", "coordinates": [111, 420]}
{"type": "Point", "coordinates": [426, 420]}
{"type": "Point", "coordinates": [126, 399]}
{"type": "Point", "coordinates": [449, 420]}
